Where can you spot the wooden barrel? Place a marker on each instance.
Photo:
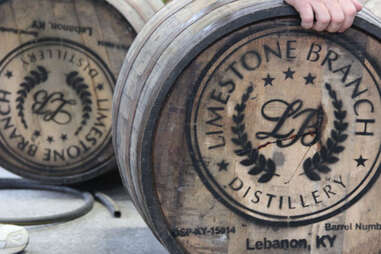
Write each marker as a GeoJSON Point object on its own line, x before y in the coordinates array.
{"type": "Point", "coordinates": [59, 64]}
{"type": "Point", "coordinates": [237, 131]}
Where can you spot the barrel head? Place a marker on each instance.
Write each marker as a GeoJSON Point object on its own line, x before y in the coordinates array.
{"type": "Point", "coordinates": [59, 63]}
{"type": "Point", "coordinates": [250, 134]}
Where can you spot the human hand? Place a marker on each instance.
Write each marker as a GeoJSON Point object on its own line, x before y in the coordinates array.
{"type": "Point", "coordinates": [329, 15]}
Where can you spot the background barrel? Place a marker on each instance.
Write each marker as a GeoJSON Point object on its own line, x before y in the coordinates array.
{"type": "Point", "coordinates": [59, 64]}
{"type": "Point", "coordinates": [237, 131]}
{"type": "Point", "coordinates": [373, 6]}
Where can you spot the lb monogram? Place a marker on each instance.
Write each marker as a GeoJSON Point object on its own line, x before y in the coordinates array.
{"type": "Point", "coordinates": [52, 107]}
{"type": "Point", "coordinates": [312, 123]}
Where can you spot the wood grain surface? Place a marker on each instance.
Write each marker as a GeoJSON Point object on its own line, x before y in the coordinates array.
{"type": "Point", "coordinates": [236, 131]}
{"type": "Point", "coordinates": [59, 64]}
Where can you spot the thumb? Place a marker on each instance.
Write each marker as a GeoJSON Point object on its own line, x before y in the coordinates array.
{"type": "Point", "coordinates": [357, 5]}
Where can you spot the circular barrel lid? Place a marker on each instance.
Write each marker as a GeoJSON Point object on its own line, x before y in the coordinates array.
{"type": "Point", "coordinates": [58, 67]}
{"type": "Point", "coordinates": [243, 132]}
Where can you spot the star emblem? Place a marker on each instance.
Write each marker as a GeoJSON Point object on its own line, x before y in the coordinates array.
{"type": "Point", "coordinates": [268, 80]}
{"type": "Point", "coordinates": [64, 137]}
{"type": "Point", "coordinates": [36, 133]}
{"type": "Point", "coordinates": [9, 74]}
{"type": "Point", "coordinates": [100, 86]}
{"type": "Point", "coordinates": [50, 139]}
{"type": "Point", "coordinates": [310, 79]}
{"type": "Point", "coordinates": [361, 161]}
{"type": "Point", "coordinates": [222, 166]}
{"type": "Point", "coordinates": [289, 74]}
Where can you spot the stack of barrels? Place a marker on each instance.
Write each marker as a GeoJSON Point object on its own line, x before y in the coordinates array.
{"type": "Point", "coordinates": [60, 62]}
{"type": "Point", "coordinates": [236, 131]}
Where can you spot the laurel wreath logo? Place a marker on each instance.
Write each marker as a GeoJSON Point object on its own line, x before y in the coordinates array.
{"type": "Point", "coordinates": [75, 81]}
{"type": "Point", "coordinates": [326, 156]}
{"type": "Point", "coordinates": [257, 161]}
{"type": "Point", "coordinates": [35, 78]}
{"type": "Point", "coordinates": [318, 163]}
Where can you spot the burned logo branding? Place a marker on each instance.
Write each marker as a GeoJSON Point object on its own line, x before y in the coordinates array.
{"type": "Point", "coordinates": [55, 104]}
{"type": "Point", "coordinates": [282, 126]}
